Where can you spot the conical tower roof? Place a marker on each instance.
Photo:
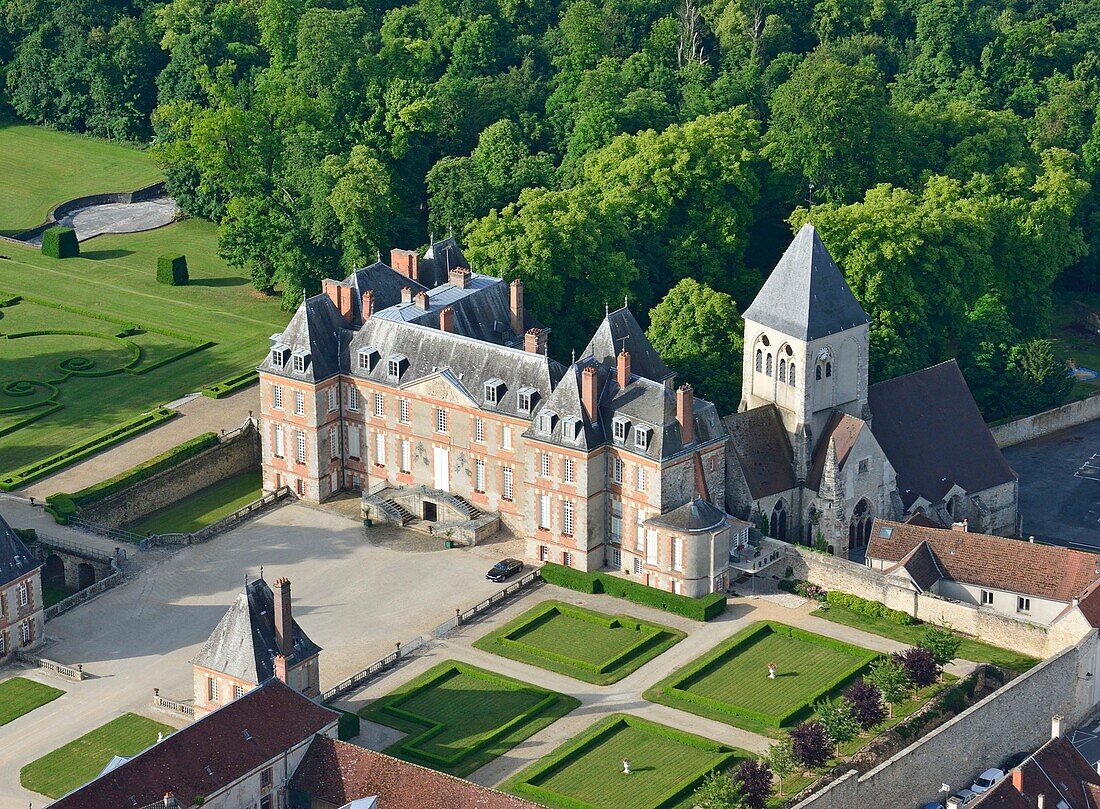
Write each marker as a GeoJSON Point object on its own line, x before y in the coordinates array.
{"type": "Point", "coordinates": [806, 296]}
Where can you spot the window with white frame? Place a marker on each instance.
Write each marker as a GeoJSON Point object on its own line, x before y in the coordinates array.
{"type": "Point", "coordinates": [211, 689]}
{"type": "Point", "coordinates": [526, 399]}
{"type": "Point", "coordinates": [333, 446]}
{"type": "Point", "coordinates": [491, 390]}
{"type": "Point", "coordinates": [616, 558]}
{"type": "Point", "coordinates": [440, 420]}
{"type": "Point", "coordinates": [544, 556]}
{"type": "Point", "coordinates": [567, 558]}
{"type": "Point", "coordinates": [380, 449]}
{"type": "Point", "coordinates": [479, 430]}
{"type": "Point", "coordinates": [507, 488]}
{"type": "Point", "coordinates": [379, 405]}
{"type": "Point", "coordinates": [238, 692]}
{"type": "Point", "coordinates": [638, 565]}
{"type": "Point", "coordinates": [639, 479]}
{"type": "Point", "coordinates": [987, 598]}
{"type": "Point", "coordinates": [506, 437]}
{"type": "Point", "coordinates": [393, 367]}
{"type": "Point", "coordinates": [301, 439]}
{"type": "Point", "coordinates": [619, 428]}
{"type": "Point", "coordinates": [639, 535]}
{"type": "Point", "coordinates": [641, 438]}
{"type": "Point", "coordinates": [277, 396]}
{"type": "Point", "coordinates": [568, 470]}
{"type": "Point", "coordinates": [546, 421]}
{"type": "Point", "coordinates": [651, 548]}
{"type": "Point", "coordinates": [544, 511]}
{"type": "Point", "coordinates": [299, 362]}
{"type": "Point", "coordinates": [572, 429]}
{"type": "Point", "coordinates": [617, 470]}
{"type": "Point", "coordinates": [280, 448]}
{"type": "Point", "coordinates": [354, 442]}
{"type": "Point", "coordinates": [674, 585]}
{"type": "Point", "coordinates": [4, 648]}
{"type": "Point", "coordinates": [25, 633]}
{"type": "Point", "coordinates": [406, 455]}
{"type": "Point", "coordinates": [544, 464]}
{"type": "Point", "coordinates": [21, 594]}
{"type": "Point", "coordinates": [364, 361]}
{"type": "Point", "coordinates": [616, 522]}
{"type": "Point", "coordinates": [299, 403]}
{"type": "Point", "coordinates": [479, 475]}
{"type": "Point", "coordinates": [567, 517]}
{"type": "Point", "coordinates": [300, 487]}
{"type": "Point", "coordinates": [403, 411]}
{"type": "Point", "coordinates": [332, 399]}
{"type": "Point", "coordinates": [1023, 604]}
{"type": "Point", "coordinates": [677, 553]}
{"type": "Point", "coordinates": [353, 399]}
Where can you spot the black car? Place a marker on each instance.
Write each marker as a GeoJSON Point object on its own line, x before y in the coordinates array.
{"type": "Point", "coordinates": [504, 569]}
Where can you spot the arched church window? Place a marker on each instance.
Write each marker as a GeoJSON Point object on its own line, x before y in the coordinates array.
{"type": "Point", "coordinates": [817, 373]}
{"type": "Point", "coordinates": [768, 364]}
{"type": "Point", "coordinates": [790, 374]}
{"type": "Point", "coordinates": [782, 370]}
{"type": "Point", "coordinates": [779, 520]}
{"type": "Point", "coordinates": [859, 527]}
{"type": "Point", "coordinates": [759, 360]}
{"type": "Point", "coordinates": [828, 369]}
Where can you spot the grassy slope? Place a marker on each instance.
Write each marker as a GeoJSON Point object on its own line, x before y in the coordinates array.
{"type": "Point", "coordinates": [585, 641]}
{"type": "Point", "coordinates": [972, 650]}
{"type": "Point", "coordinates": [203, 507]}
{"type": "Point", "coordinates": [40, 168]}
{"type": "Point", "coordinates": [82, 759]}
{"type": "Point", "coordinates": [20, 696]}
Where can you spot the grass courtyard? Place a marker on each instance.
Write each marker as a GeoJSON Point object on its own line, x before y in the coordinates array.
{"type": "Point", "coordinates": [19, 696]}
{"type": "Point", "coordinates": [82, 759]}
{"type": "Point", "coordinates": [460, 717]}
{"type": "Point", "coordinates": [730, 683]}
{"type": "Point", "coordinates": [202, 508]}
{"type": "Point", "coordinates": [590, 646]}
{"type": "Point", "coordinates": [666, 766]}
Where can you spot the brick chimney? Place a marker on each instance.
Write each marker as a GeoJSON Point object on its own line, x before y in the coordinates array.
{"type": "Point", "coordinates": [459, 277]}
{"type": "Point", "coordinates": [406, 294]}
{"type": "Point", "coordinates": [623, 369]}
{"type": "Point", "coordinates": [590, 392]}
{"type": "Point", "coordinates": [406, 262]}
{"type": "Point", "coordinates": [284, 624]}
{"type": "Point", "coordinates": [422, 301]}
{"type": "Point", "coordinates": [447, 319]}
{"type": "Point", "coordinates": [534, 340]}
{"type": "Point", "coordinates": [515, 306]}
{"type": "Point", "coordinates": [340, 295]}
{"type": "Point", "coordinates": [280, 667]}
{"type": "Point", "coordinates": [1018, 780]}
{"type": "Point", "coordinates": [685, 413]}
{"type": "Point", "coordinates": [366, 305]}
{"type": "Point", "coordinates": [1056, 726]}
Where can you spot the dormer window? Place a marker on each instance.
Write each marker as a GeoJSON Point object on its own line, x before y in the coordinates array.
{"type": "Point", "coordinates": [301, 360]}
{"type": "Point", "coordinates": [279, 355]}
{"type": "Point", "coordinates": [396, 364]}
{"type": "Point", "coordinates": [528, 398]}
{"type": "Point", "coordinates": [620, 427]}
{"type": "Point", "coordinates": [641, 438]}
{"type": "Point", "coordinates": [547, 420]}
{"type": "Point", "coordinates": [571, 429]}
{"type": "Point", "coordinates": [368, 358]}
{"type": "Point", "coordinates": [494, 391]}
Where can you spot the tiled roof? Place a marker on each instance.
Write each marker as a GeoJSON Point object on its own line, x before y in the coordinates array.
{"type": "Point", "coordinates": [806, 295]}
{"type": "Point", "coordinates": [1043, 571]}
{"type": "Point", "coordinates": [1057, 771]}
{"type": "Point", "coordinates": [843, 430]}
{"type": "Point", "coordinates": [931, 430]}
{"type": "Point", "coordinates": [338, 773]}
{"type": "Point", "coordinates": [16, 561]}
{"type": "Point", "coordinates": [920, 563]}
{"type": "Point", "coordinates": [762, 449]}
{"type": "Point", "coordinates": [232, 741]}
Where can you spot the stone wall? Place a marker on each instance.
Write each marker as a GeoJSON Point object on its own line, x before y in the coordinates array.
{"type": "Point", "coordinates": [1047, 422]}
{"type": "Point", "coordinates": [1013, 719]}
{"type": "Point", "coordinates": [239, 452]}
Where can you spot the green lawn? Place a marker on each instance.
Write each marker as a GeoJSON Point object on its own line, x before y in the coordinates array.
{"type": "Point", "coordinates": [666, 766]}
{"type": "Point", "coordinates": [580, 643]}
{"type": "Point", "coordinates": [460, 717]}
{"type": "Point", "coordinates": [52, 594]}
{"type": "Point", "coordinates": [81, 760]}
{"type": "Point", "coordinates": [204, 507]}
{"type": "Point", "coordinates": [20, 696]}
{"type": "Point", "coordinates": [730, 683]}
{"type": "Point", "coordinates": [40, 168]}
{"type": "Point", "coordinates": [969, 649]}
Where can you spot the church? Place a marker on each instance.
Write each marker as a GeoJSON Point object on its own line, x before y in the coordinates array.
{"type": "Point", "coordinates": [815, 454]}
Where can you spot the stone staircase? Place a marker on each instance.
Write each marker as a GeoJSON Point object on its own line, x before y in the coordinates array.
{"type": "Point", "coordinates": [403, 514]}
{"type": "Point", "coordinates": [464, 506]}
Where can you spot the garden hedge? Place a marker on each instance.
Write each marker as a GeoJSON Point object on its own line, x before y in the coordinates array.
{"type": "Point", "coordinates": [59, 242]}
{"type": "Point", "coordinates": [172, 269]}
{"type": "Point", "coordinates": [700, 609]}
{"type": "Point", "coordinates": [347, 726]}
{"type": "Point", "coordinates": [872, 609]}
{"type": "Point", "coordinates": [231, 385]}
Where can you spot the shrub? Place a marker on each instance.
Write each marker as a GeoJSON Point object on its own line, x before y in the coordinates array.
{"type": "Point", "coordinates": [781, 759]}
{"type": "Point", "coordinates": [810, 744]}
{"type": "Point", "coordinates": [808, 589]}
{"type": "Point", "coordinates": [892, 681]}
{"type": "Point", "coordinates": [718, 791]}
{"type": "Point", "coordinates": [700, 609]}
{"type": "Point", "coordinates": [26, 534]}
{"type": "Point", "coordinates": [59, 242]}
{"type": "Point", "coordinates": [838, 720]}
{"type": "Point", "coordinates": [866, 701]}
{"type": "Point", "coordinates": [347, 726]}
{"type": "Point", "coordinates": [172, 269]}
{"type": "Point", "coordinates": [919, 666]}
{"type": "Point", "coordinates": [941, 643]}
{"type": "Point", "coordinates": [755, 779]}
{"type": "Point", "coordinates": [872, 609]}
{"type": "Point", "coordinates": [232, 384]}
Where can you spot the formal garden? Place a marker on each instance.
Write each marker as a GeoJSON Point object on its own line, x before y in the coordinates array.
{"type": "Point", "coordinates": [82, 759]}
{"type": "Point", "coordinates": [587, 645]}
{"type": "Point", "coordinates": [20, 696]}
{"type": "Point", "coordinates": [459, 717]}
{"type": "Point", "coordinates": [587, 772]}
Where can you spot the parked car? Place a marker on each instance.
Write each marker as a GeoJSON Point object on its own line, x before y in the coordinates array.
{"type": "Point", "coordinates": [961, 798]}
{"type": "Point", "coordinates": [987, 780]}
{"type": "Point", "coordinates": [504, 569]}
{"type": "Point", "coordinates": [931, 805]}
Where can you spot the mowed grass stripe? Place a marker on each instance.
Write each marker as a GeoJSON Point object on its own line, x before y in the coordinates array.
{"type": "Point", "coordinates": [19, 696]}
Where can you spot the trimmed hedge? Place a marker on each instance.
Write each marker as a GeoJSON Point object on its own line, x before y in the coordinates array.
{"type": "Point", "coordinates": [59, 242]}
{"type": "Point", "coordinates": [872, 609]}
{"type": "Point", "coordinates": [231, 385]}
{"type": "Point", "coordinates": [172, 269]}
{"type": "Point", "coordinates": [347, 726]}
{"type": "Point", "coordinates": [700, 609]}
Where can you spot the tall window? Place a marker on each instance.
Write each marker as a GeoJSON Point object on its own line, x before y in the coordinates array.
{"type": "Point", "coordinates": [299, 363]}
{"type": "Point", "coordinates": [677, 553]}
{"type": "Point", "coordinates": [616, 522]}
{"type": "Point", "coordinates": [790, 374]}
{"type": "Point", "coordinates": [567, 517]}
{"type": "Point", "coordinates": [782, 370]}
{"type": "Point", "coordinates": [817, 373]}
{"type": "Point", "coordinates": [301, 438]}
{"type": "Point", "coordinates": [544, 511]}
{"type": "Point", "coordinates": [353, 399]}
{"type": "Point", "coordinates": [380, 449]}
{"type": "Point", "coordinates": [379, 405]}
{"type": "Point", "coordinates": [479, 430]}
{"type": "Point", "coordinates": [440, 420]}
{"type": "Point", "coordinates": [280, 448]}
{"type": "Point", "coordinates": [22, 594]}
{"type": "Point", "coordinates": [299, 403]}
{"type": "Point", "coordinates": [568, 470]}
{"type": "Point", "coordinates": [617, 470]}
{"type": "Point", "coordinates": [544, 464]}
{"type": "Point", "coordinates": [277, 396]}
{"type": "Point", "coordinates": [506, 437]}
{"type": "Point", "coordinates": [768, 364]}
{"type": "Point", "coordinates": [25, 633]}
{"type": "Point", "coordinates": [211, 689]}
{"type": "Point", "coordinates": [639, 479]}
{"type": "Point", "coordinates": [403, 411]}
{"type": "Point", "coordinates": [567, 558]}
{"type": "Point", "coordinates": [759, 360]}
{"type": "Point", "coordinates": [507, 488]}
{"type": "Point", "coordinates": [619, 428]}
{"type": "Point", "coordinates": [479, 475]}
{"type": "Point", "coordinates": [353, 442]}
{"type": "Point", "coordinates": [828, 369]}
{"type": "Point", "coordinates": [406, 455]}
{"type": "Point", "coordinates": [332, 447]}
{"type": "Point", "coordinates": [332, 399]}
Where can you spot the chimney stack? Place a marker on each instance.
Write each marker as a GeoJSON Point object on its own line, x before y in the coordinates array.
{"type": "Point", "coordinates": [406, 262]}
{"type": "Point", "coordinates": [685, 413]}
{"type": "Point", "coordinates": [406, 295]}
{"type": "Point", "coordinates": [535, 341]}
{"type": "Point", "coordinates": [963, 526]}
{"type": "Point", "coordinates": [366, 305]}
{"type": "Point", "coordinates": [340, 295]}
{"type": "Point", "coordinates": [1041, 801]}
{"type": "Point", "coordinates": [623, 375]}
{"type": "Point", "coordinates": [1018, 780]}
{"type": "Point", "coordinates": [459, 277]}
{"type": "Point", "coordinates": [280, 668]}
{"type": "Point", "coordinates": [590, 392]}
{"type": "Point", "coordinates": [1056, 723]}
{"type": "Point", "coordinates": [422, 301]}
{"type": "Point", "coordinates": [284, 624]}
{"type": "Point", "coordinates": [447, 319]}
{"type": "Point", "coordinates": [515, 306]}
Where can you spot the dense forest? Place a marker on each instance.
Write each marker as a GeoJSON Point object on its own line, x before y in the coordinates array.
{"type": "Point", "coordinates": [609, 149]}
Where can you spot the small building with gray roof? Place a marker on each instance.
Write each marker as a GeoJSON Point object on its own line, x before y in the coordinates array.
{"type": "Point", "coordinates": [22, 622]}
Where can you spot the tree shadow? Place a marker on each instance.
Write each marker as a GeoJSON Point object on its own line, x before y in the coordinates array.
{"type": "Point", "coordinates": [218, 282]}
{"type": "Point", "coordinates": [100, 255]}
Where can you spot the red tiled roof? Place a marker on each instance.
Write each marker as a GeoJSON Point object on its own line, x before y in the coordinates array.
{"type": "Point", "coordinates": [843, 430]}
{"type": "Point", "coordinates": [338, 773]}
{"type": "Point", "coordinates": [763, 452]}
{"type": "Point", "coordinates": [1043, 571]}
{"type": "Point", "coordinates": [232, 741]}
{"type": "Point", "coordinates": [1055, 770]}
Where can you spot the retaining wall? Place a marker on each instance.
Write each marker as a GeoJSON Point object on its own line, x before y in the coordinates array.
{"type": "Point", "coordinates": [237, 453]}
{"type": "Point", "coordinates": [1047, 422]}
{"type": "Point", "coordinates": [62, 210]}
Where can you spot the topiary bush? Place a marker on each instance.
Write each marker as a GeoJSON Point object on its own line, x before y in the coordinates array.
{"type": "Point", "coordinates": [60, 242]}
{"type": "Point", "coordinates": [172, 269]}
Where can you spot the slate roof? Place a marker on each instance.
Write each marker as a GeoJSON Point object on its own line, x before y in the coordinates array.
{"type": "Point", "coordinates": [922, 567]}
{"type": "Point", "coordinates": [806, 295]}
{"type": "Point", "coordinates": [16, 560]}
{"type": "Point", "coordinates": [843, 430]}
{"type": "Point", "coordinates": [565, 402]}
{"type": "Point", "coordinates": [1056, 770]}
{"type": "Point", "coordinates": [695, 517]}
{"type": "Point", "coordinates": [930, 428]}
{"type": "Point", "coordinates": [337, 773]}
{"type": "Point", "coordinates": [243, 644]}
{"type": "Point", "coordinates": [763, 452]}
{"type": "Point", "coordinates": [384, 281]}
{"type": "Point", "coordinates": [317, 329]}
{"type": "Point", "coordinates": [1043, 571]}
{"type": "Point", "coordinates": [438, 260]}
{"type": "Point", "coordinates": [618, 331]}
{"type": "Point", "coordinates": [232, 741]}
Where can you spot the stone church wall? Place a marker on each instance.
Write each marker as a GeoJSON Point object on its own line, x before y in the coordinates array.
{"type": "Point", "coordinates": [1047, 422]}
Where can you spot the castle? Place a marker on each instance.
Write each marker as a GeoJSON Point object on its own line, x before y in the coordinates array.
{"type": "Point", "coordinates": [422, 376]}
